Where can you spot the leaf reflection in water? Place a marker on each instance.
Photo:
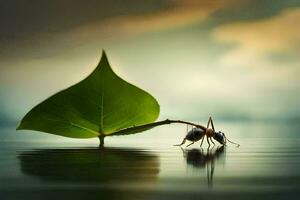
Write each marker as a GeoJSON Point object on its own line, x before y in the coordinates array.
{"type": "Point", "coordinates": [90, 173]}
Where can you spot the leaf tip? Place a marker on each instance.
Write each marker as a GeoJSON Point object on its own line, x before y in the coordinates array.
{"type": "Point", "coordinates": [103, 59]}
{"type": "Point", "coordinates": [19, 127]}
{"type": "Point", "coordinates": [103, 63]}
{"type": "Point", "coordinates": [104, 56]}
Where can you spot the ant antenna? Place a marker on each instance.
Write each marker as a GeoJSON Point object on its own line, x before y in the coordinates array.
{"type": "Point", "coordinates": [237, 145]}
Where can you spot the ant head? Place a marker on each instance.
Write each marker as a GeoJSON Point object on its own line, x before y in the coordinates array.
{"type": "Point", "coordinates": [220, 132]}
{"type": "Point", "coordinates": [220, 137]}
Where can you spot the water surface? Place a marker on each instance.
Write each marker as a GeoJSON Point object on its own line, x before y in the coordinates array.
{"type": "Point", "coordinates": [146, 166]}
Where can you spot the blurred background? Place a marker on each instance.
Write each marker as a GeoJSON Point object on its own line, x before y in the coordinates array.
{"type": "Point", "coordinates": [231, 59]}
{"type": "Point", "coordinates": [235, 60]}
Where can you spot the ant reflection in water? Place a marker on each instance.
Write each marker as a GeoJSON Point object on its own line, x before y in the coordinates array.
{"type": "Point", "coordinates": [200, 159]}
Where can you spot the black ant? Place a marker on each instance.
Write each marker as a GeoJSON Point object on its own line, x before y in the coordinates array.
{"type": "Point", "coordinates": [200, 132]}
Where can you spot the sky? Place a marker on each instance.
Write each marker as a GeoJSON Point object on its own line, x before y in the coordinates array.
{"type": "Point", "coordinates": [230, 59]}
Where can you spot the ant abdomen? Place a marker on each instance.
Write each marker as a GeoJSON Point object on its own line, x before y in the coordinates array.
{"type": "Point", "coordinates": [195, 134]}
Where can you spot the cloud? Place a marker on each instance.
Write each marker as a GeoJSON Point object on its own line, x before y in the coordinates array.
{"type": "Point", "coordinates": [255, 40]}
{"type": "Point", "coordinates": [255, 46]}
{"type": "Point", "coordinates": [44, 48]}
{"type": "Point", "coordinates": [178, 63]}
{"type": "Point", "coordinates": [181, 13]}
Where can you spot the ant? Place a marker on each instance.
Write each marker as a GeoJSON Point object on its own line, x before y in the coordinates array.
{"type": "Point", "coordinates": [200, 132]}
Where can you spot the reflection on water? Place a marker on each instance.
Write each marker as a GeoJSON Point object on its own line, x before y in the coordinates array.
{"type": "Point", "coordinates": [266, 166]}
{"type": "Point", "coordinates": [86, 173]}
{"type": "Point", "coordinates": [199, 158]}
{"type": "Point", "coordinates": [90, 164]}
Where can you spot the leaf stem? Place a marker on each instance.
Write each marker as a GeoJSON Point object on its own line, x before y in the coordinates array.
{"type": "Point", "coordinates": [184, 122]}
{"type": "Point", "coordinates": [144, 127]}
{"type": "Point", "coordinates": [101, 138]}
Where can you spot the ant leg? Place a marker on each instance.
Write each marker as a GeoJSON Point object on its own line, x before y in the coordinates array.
{"type": "Point", "coordinates": [201, 150]}
{"type": "Point", "coordinates": [212, 124]}
{"type": "Point", "coordinates": [193, 134]}
{"type": "Point", "coordinates": [183, 152]}
{"type": "Point", "coordinates": [212, 141]}
{"type": "Point", "coordinates": [212, 169]}
{"type": "Point", "coordinates": [183, 141]}
{"type": "Point", "coordinates": [202, 141]}
{"type": "Point", "coordinates": [208, 141]}
{"type": "Point", "coordinates": [190, 144]}
{"type": "Point", "coordinates": [224, 141]}
{"type": "Point", "coordinates": [208, 122]}
{"type": "Point", "coordinates": [208, 176]}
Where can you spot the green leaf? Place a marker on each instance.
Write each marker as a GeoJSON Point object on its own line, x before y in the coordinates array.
{"type": "Point", "coordinates": [99, 105]}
